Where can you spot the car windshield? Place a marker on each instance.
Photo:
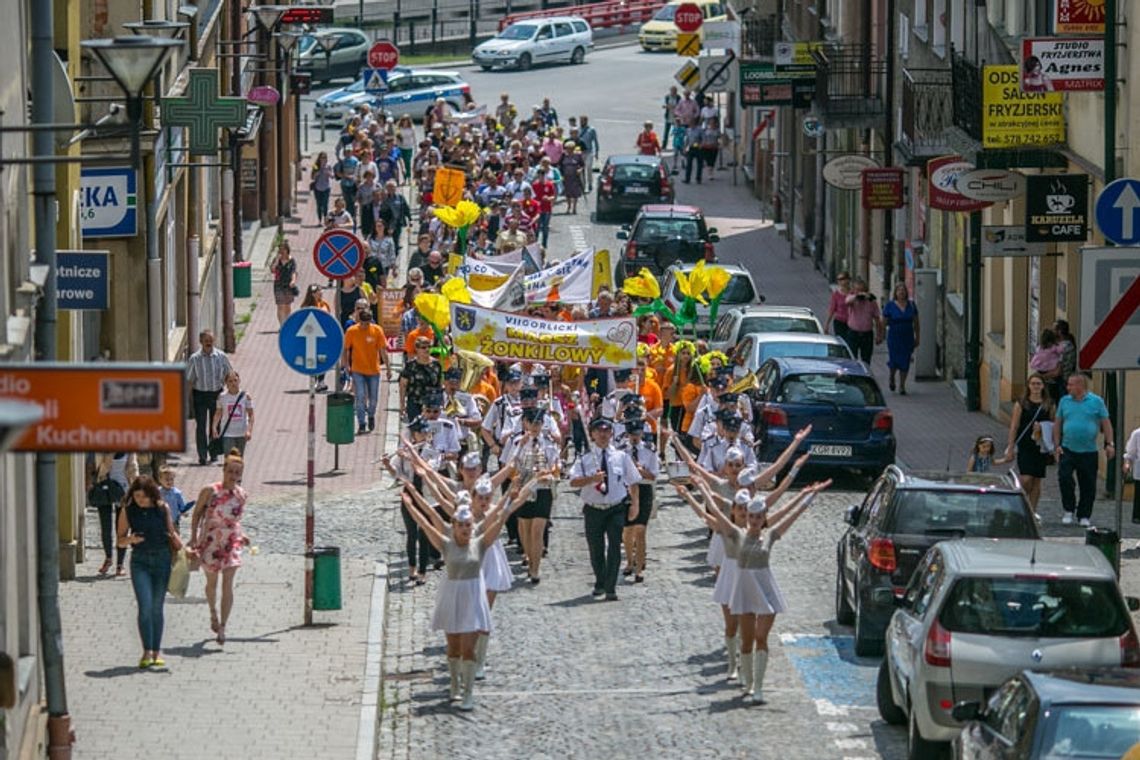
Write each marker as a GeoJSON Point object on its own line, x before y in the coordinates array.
{"type": "Point", "coordinates": [778, 323]}
{"type": "Point", "coordinates": [666, 13]}
{"type": "Point", "coordinates": [517, 32]}
{"type": "Point", "coordinates": [635, 172]}
{"type": "Point", "coordinates": [1038, 606]}
{"type": "Point", "coordinates": [656, 230]}
{"type": "Point", "coordinates": [357, 86]}
{"type": "Point", "coordinates": [793, 348]}
{"type": "Point", "coordinates": [1090, 731]}
{"type": "Point", "coordinates": [836, 390]}
{"type": "Point", "coordinates": [960, 513]}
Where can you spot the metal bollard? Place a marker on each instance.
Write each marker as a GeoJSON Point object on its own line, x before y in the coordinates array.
{"type": "Point", "coordinates": [305, 119]}
{"type": "Point", "coordinates": [322, 127]}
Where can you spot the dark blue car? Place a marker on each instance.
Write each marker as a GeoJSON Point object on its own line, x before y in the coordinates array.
{"type": "Point", "coordinates": [851, 424]}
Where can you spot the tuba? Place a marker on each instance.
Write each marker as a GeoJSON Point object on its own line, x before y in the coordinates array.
{"type": "Point", "coordinates": [472, 365]}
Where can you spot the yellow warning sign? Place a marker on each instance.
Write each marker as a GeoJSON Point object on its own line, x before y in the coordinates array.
{"type": "Point", "coordinates": [689, 43]}
{"type": "Point", "coordinates": [688, 75]}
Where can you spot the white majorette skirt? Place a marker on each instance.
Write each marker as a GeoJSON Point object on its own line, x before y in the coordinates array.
{"type": "Point", "coordinates": [714, 557]}
{"type": "Point", "coordinates": [461, 606]}
{"type": "Point", "coordinates": [496, 569]}
{"type": "Point", "coordinates": [725, 582]}
{"type": "Point", "coordinates": [755, 592]}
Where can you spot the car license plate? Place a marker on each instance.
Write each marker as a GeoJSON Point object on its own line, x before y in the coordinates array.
{"type": "Point", "coordinates": [635, 190]}
{"type": "Point", "coordinates": [830, 451]}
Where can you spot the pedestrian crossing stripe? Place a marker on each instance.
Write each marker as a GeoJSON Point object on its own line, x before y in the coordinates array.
{"type": "Point", "coordinates": [689, 43]}
{"type": "Point", "coordinates": [688, 75]}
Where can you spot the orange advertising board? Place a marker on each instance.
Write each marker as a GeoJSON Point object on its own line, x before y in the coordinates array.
{"type": "Point", "coordinates": [448, 187]}
{"type": "Point", "coordinates": [100, 406]}
{"type": "Point", "coordinates": [391, 310]}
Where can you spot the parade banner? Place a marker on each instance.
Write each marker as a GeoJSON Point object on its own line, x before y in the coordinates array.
{"type": "Point", "coordinates": [486, 275]}
{"type": "Point", "coordinates": [505, 336]}
{"type": "Point", "coordinates": [575, 280]}
{"type": "Point", "coordinates": [507, 297]}
{"type": "Point", "coordinates": [391, 308]}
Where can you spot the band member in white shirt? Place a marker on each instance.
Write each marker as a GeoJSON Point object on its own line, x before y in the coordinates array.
{"type": "Point", "coordinates": [648, 466]}
{"type": "Point", "coordinates": [534, 454]}
{"type": "Point", "coordinates": [607, 478]}
{"type": "Point", "coordinates": [727, 436]}
{"type": "Point", "coordinates": [445, 433]}
{"type": "Point", "coordinates": [460, 407]}
{"type": "Point", "coordinates": [499, 420]}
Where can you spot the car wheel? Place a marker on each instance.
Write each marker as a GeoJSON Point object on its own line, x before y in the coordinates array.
{"type": "Point", "coordinates": [844, 615]}
{"type": "Point", "coordinates": [918, 748]}
{"type": "Point", "coordinates": [865, 646]}
{"type": "Point", "coordinates": [888, 710]}
{"type": "Point", "coordinates": [577, 56]}
{"type": "Point", "coordinates": [524, 61]}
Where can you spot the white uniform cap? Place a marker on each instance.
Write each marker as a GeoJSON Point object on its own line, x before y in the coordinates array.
{"type": "Point", "coordinates": [758, 506]}
{"type": "Point", "coordinates": [742, 497]}
{"type": "Point", "coordinates": [734, 454]}
{"type": "Point", "coordinates": [463, 514]}
{"type": "Point", "coordinates": [748, 476]}
{"type": "Point", "coordinates": [483, 486]}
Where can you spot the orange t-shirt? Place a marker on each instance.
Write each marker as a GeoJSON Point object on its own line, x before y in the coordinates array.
{"type": "Point", "coordinates": [423, 331]}
{"type": "Point", "coordinates": [651, 392]}
{"type": "Point", "coordinates": [485, 389]}
{"type": "Point", "coordinates": [690, 393]}
{"type": "Point", "coordinates": [363, 342]}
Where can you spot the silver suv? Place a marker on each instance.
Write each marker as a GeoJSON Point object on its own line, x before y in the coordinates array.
{"type": "Point", "coordinates": [978, 611]}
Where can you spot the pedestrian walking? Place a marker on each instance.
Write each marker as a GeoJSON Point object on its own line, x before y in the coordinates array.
{"type": "Point", "coordinates": [711, 137]}
{"type": "Point", "coordinates": [114, 472]}
{"type": "Point", "coordinates": [1068, 345]}
{"type": "Point", "coordinates": [421, 377]}
{"type": "Point", "coordinates": [406, 141]}
{"type": "Point", "coordinates": [635, 532]}
{"type": "Point", "coordinates": [672, 98]}
{"type": "Point", "coordinates": [217, 536]}
{"type": "Point", "coordinates": [837, 307]}
{"type": "Point", "coordinates": [345, 171]}
{"type": "Point", "coordinates": [206, 371]}
{"type": "Point", "coordinates": [285, 289]}
{"type": "Point", "coordinates": [864, 321]}
{"type": "Point", "coordinates": [590, 149]}
{"type": "Point", "coordinates": [607, 478]}
{"type": "Point", "coordinates": [172, 495]}
{"type": "Point", "coordinates": [1080, 416]}
{"type": "Point", "coordinates": [687, 111]}
{"type": "Point", "coordinates": [573, 166]}
{"type": "Point", "coordinates": [1027, 442]}
{"type": "Point", "coordinates": [1128, 471]}
{"type": "Point", "coordinates": [233, 417]}
{"type": "Point", "coordinates": [147, 528]}
{"type": "Point", "coordinates": [982, 455]}
{"type": "Point", "coordinates": [365, 352]}
{"type": "Point", "coordinates": [1046, 361]}
{"type": "Point", "coordinates": [693, 155]}
{"type": "Point", "coordinates": [901, 317]}
{"type": "Point", "coordinates": [321, 177]}
{"type": "Point", "coordinates": [315, 299]}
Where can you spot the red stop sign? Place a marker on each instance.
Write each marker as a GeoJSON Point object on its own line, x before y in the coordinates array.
{"type": "Point", "coordinates": [688, 17]}
{"type": "Point", "coordinates": [383, 55]}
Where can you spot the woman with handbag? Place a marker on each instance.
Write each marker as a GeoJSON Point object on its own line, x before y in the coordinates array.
{"type": "Point", "coordinates": [1025, 438]}
{"type": "Point", "coordinates": [113, 473]}
{"type": "Point", "coordinates": [284, 281]}
{"type": "Point", "coordinates": [217, 536]}
{"type": "Point", "coordinates": [233, 419]}
{"type": "Point", "coordinates": [146, 526]}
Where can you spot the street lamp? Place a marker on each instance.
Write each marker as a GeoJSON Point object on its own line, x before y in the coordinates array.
{"type": "Point", "coordinates": [268, 15]}
{"type": "Point", "coordinates": [156, 28]}
{"type": "Point", "coordinates": [132, 62]}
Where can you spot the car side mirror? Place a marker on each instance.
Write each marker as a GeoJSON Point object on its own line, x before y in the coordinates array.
{"type": "Point", "coordinates": [851, 515]}
{"type": "Point", "coordinates": [763, 298]}
{"type": "Point", "coordinates": [622, 234]}
{"type": "Point", "coordinates": [966, 711]}
{"type": "Point", "coordinates": [1133, 603]}
{"type": "Point", "coordinates": [713, 237]}
{"type": "Point", "coordinates": [712, 230]}
{"type": "Point", "coordinates": [901, 603]}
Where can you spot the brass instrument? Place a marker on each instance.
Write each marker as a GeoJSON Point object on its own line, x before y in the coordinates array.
{"type": "Point", "coordinates": [747, 383]}
{"type": "Point", "coordinates": [472, 365]}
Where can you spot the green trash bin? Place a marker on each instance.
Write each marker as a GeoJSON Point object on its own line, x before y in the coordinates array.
{"type": "Point", "coordinates": [243, 279]}
{"type": "Point", "coordinates": [1108, 541]}
{"type": "Point", "coordinates": [339, 418]}
{"type": "Point", "coordinates": [326, 578]}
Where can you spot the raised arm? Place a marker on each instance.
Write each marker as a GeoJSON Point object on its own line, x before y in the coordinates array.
{"type": "Point", "coordinates": [699, 510]}
{"type": "Point", "coordinates": [769, 474]}
{"type": "Point", "coordinates": [413, 500]}
{"type": "Point", "coordinates": [789, 515]}
{"type": "Point", "coordinates": [433, 535]}
{"type": "Point", "coordinates": [494, 524]}
{"type": "Point", "coordinates": [694, 468]}
{"type": "Point", "coordinates": [721, 523]}
{"type": "Point", "coordinates": [786, 483]}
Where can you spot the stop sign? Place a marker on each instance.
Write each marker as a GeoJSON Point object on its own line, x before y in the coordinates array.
{"type": "Point", "coordinates": [383, 55]}
{"type": "Point", "coordinates": [688, 17]}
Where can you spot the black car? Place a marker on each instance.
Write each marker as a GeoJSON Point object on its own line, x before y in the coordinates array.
{"type": "Point", "coordinates": [903, 515]}
{"type": "Point", "coordinates": [663, 235]}
{"type": "Point", "coordinates": [627, 183]}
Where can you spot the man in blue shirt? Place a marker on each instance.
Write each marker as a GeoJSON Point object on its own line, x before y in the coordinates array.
{"type": "Point", "coordinates": [1080, 416]}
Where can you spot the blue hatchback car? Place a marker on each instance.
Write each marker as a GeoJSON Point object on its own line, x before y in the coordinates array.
{"type": "Point", "coordinates": [851, 424]}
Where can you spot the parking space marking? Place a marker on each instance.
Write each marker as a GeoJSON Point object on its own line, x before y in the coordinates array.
{"type": "Point", "coordinates": [577, 236]}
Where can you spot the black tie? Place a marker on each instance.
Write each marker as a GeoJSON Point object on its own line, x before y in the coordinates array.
{"type": "Point", "coordinates": [604, 486]}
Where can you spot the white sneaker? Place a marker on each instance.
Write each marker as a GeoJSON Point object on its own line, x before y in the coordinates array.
{"type": "Point", "coordinates": [1085, 522]}
{"type": "Point", "coordinates": [1067, 518]}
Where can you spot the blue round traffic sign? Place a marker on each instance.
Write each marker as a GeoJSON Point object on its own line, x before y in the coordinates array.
{"type": "Point", "coordinates": [1118, 211]}
{"type": "Point", "coordinates": [310, 341]}
{"type": "Point", "coordinates": [338, 254]}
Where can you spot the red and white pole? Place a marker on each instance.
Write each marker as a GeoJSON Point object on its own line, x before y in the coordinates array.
{"type": "Point", "coordinates": [310, 484]}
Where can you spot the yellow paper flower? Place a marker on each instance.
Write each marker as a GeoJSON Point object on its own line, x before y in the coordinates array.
{"type": "Point", "coordinates": [435, 308]}
{"type": "Point", "coordinates": [688, 288]}
{"type": "Point", "coordinates": [699, 281]}
{"type": "Point", "coordinates": [462, 214]}
{"type": "Point", "coordinates": [642, 285]}
{"type": "Point", "coordinates": [456, 290]}
{"type": "Point", "coordinates": [718, 280]}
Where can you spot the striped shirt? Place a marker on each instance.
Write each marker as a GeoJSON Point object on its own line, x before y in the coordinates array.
{"type": "Point", "coordinates": [207, 372]}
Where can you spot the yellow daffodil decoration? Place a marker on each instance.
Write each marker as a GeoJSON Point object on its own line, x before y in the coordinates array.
{"type": "Point", "coordinates": [460, 217]}
{"type": "Point", "coordinates": [718, 282]}
{"type": "Point", "coordinates": [435, 308]}
{"type": "Point", "coordinates": [645, 285]}
{"type": "Point", "coordinates": [692, 287]}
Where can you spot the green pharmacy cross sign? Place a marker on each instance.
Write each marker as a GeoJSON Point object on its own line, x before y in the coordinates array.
{"type": "Point", "coordinates": [202, 111]}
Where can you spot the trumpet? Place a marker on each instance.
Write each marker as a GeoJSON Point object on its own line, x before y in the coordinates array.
{"type": "Point", "coordinates": [747, 383]}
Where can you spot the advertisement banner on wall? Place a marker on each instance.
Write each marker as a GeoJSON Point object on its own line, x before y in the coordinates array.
{"type": "Point", "coordinates": [1012, 118]}
{"type": "Point", "coordinates": [1056, 208]}
{"type": "Point", "coordinates": [882, 188]}
{"type": "Point", "coordinates": [943, 174]}
{"type": "Point", "coordinates": [1078, 16]}
{"type": "Point", "coordinates": [1062, 64]}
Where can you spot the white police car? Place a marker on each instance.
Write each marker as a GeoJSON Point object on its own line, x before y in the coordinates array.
{"type": "Point", "coordinates": [410, 91]}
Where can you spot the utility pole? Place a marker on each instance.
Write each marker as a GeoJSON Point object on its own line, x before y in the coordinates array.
{"type": "Point", "coordinates": [889, 255]}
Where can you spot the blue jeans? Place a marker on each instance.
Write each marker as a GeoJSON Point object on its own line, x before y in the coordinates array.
{"type": "Point", "coordinates": [544, 227]}
{"type": "Point", "coordinates": [1083, 464]}
{"type": "Point", "coordinates": [367, 389]}
{"type": "Point", "coordinates": [150, 574]}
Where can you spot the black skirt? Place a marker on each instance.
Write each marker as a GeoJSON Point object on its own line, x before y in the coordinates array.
{"type": "Point", "coordinates": [1031, 460]}
{"type": "Point", "coordinates": [538, 507]}
{"type": "Point", "coordinates": [644, 505]}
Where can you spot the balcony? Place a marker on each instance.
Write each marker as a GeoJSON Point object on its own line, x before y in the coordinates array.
{"type": "Point", "coordinates": [927, 112]}
{"type": "Point", "coordinates": [967, 98]}
{"type": "Point", "coordinates": [758, 37]}
{"type": "Point", "coordinates": [849, 87]}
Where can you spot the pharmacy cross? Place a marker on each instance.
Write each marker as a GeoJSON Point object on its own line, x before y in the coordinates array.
{"type": "Point", "coordinates": [202, 111]}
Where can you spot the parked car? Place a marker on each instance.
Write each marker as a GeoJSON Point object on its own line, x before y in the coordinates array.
{"type": "Point", "coordinates": [661, 235]}
{"type": "Point", "coordinates": [660, 33]}
{"type": "Point", "coordinates": [979, 610]}
{"type": "Point", "coordinates": [851, 424]}
{"type": "Point", "coordinates": [626, 183]}
{"type": "Point", "coordinates": [560, 39]}
{"type": "Point", "coordinates": [901, 517]}
{"type": "Point", "coordinates": [757, 348]}
{"type": "Point", "coordinates": [740, 291]}
{"type": "Point", "coordinates": [1056, 714]}
{"type": "Point", "coordinates": [410, 91]}
{"type": "Point", "coordinates": [347, 56]}
{"type": "Point", "coordinates": [734, 324]}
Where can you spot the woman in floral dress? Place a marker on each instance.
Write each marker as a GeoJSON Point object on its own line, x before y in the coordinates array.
{"type": "Point", "coordinates": [216, 533]}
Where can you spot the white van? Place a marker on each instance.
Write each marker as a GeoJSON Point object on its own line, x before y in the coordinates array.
{"type": "Point", "coordinates": [558, 39]}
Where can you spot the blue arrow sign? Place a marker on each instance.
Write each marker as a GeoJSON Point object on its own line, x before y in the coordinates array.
{"type": "Point", "coordinates": [1117, 209]}
{"type": "Point", "coordinates": [310, 341]}
{"type": "Point", "coordinates": [376, 81]}
{"type": "Point", "coordinates": [338, 254]}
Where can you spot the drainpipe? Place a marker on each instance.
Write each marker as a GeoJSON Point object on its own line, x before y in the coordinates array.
{"type": "Point", "coordinates": [153, 279]}
{"type": "Point", "coordinates": [47, 514]}
{"type": "Point", "coordinates": [193, 249]}
{"type": "Point", "coordinates": [229, 234]}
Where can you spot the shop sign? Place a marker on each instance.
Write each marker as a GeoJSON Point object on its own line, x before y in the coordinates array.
{"type": "Point", "coordinates": [1056, 208]}
{"type": "Point", "coordinates": [991, 185]}
{"type": "Point", "coordinates": [883, 188]}
{"type": "Point", "coordinates": [943, 174]}
{"type": "Point", "coordinates": [1012, 118]}
{"type": "Point", "coordinates": [1062, 64]}
{"type": "Point", "coordinates": [1078, 16]}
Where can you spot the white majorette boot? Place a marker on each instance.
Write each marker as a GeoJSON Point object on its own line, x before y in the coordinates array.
{"type": "Point", "coordinates": [730, 647]}
{"type": "Point", "coordinates": [481, 655]}
{"type": "Point", "coordinates": [467, 677]}
{"type": "Point", "coordinates": [746, 674]}
{"type": "Point", "coordinates": [453, 674]}
{"type": "Point", "coordinates": [759, 668]}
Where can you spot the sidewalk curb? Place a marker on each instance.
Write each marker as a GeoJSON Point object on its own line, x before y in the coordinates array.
{"type": "Point", "coordinates": [373, 664]}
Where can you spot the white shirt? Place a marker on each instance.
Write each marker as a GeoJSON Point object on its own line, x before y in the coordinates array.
{"type": "Point", "coordinates": [228, 403]}
{"type": "Point", "coordinates": [445, 436]}
{"type": "Point", "coordinates": [622, 475]}
{"type": "Point", "coordinates": [499, 417]}
{"type": "Point", "coordinates": [1132, 451]}
{"type": "Point", "coordinates": [516, 446]}
{"type": "Point", "coordinates": [468, 409]}
{"type": "Point", "coordinates": [714, 452]}
{"type": "Point", "coordinates": [645, 456]}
